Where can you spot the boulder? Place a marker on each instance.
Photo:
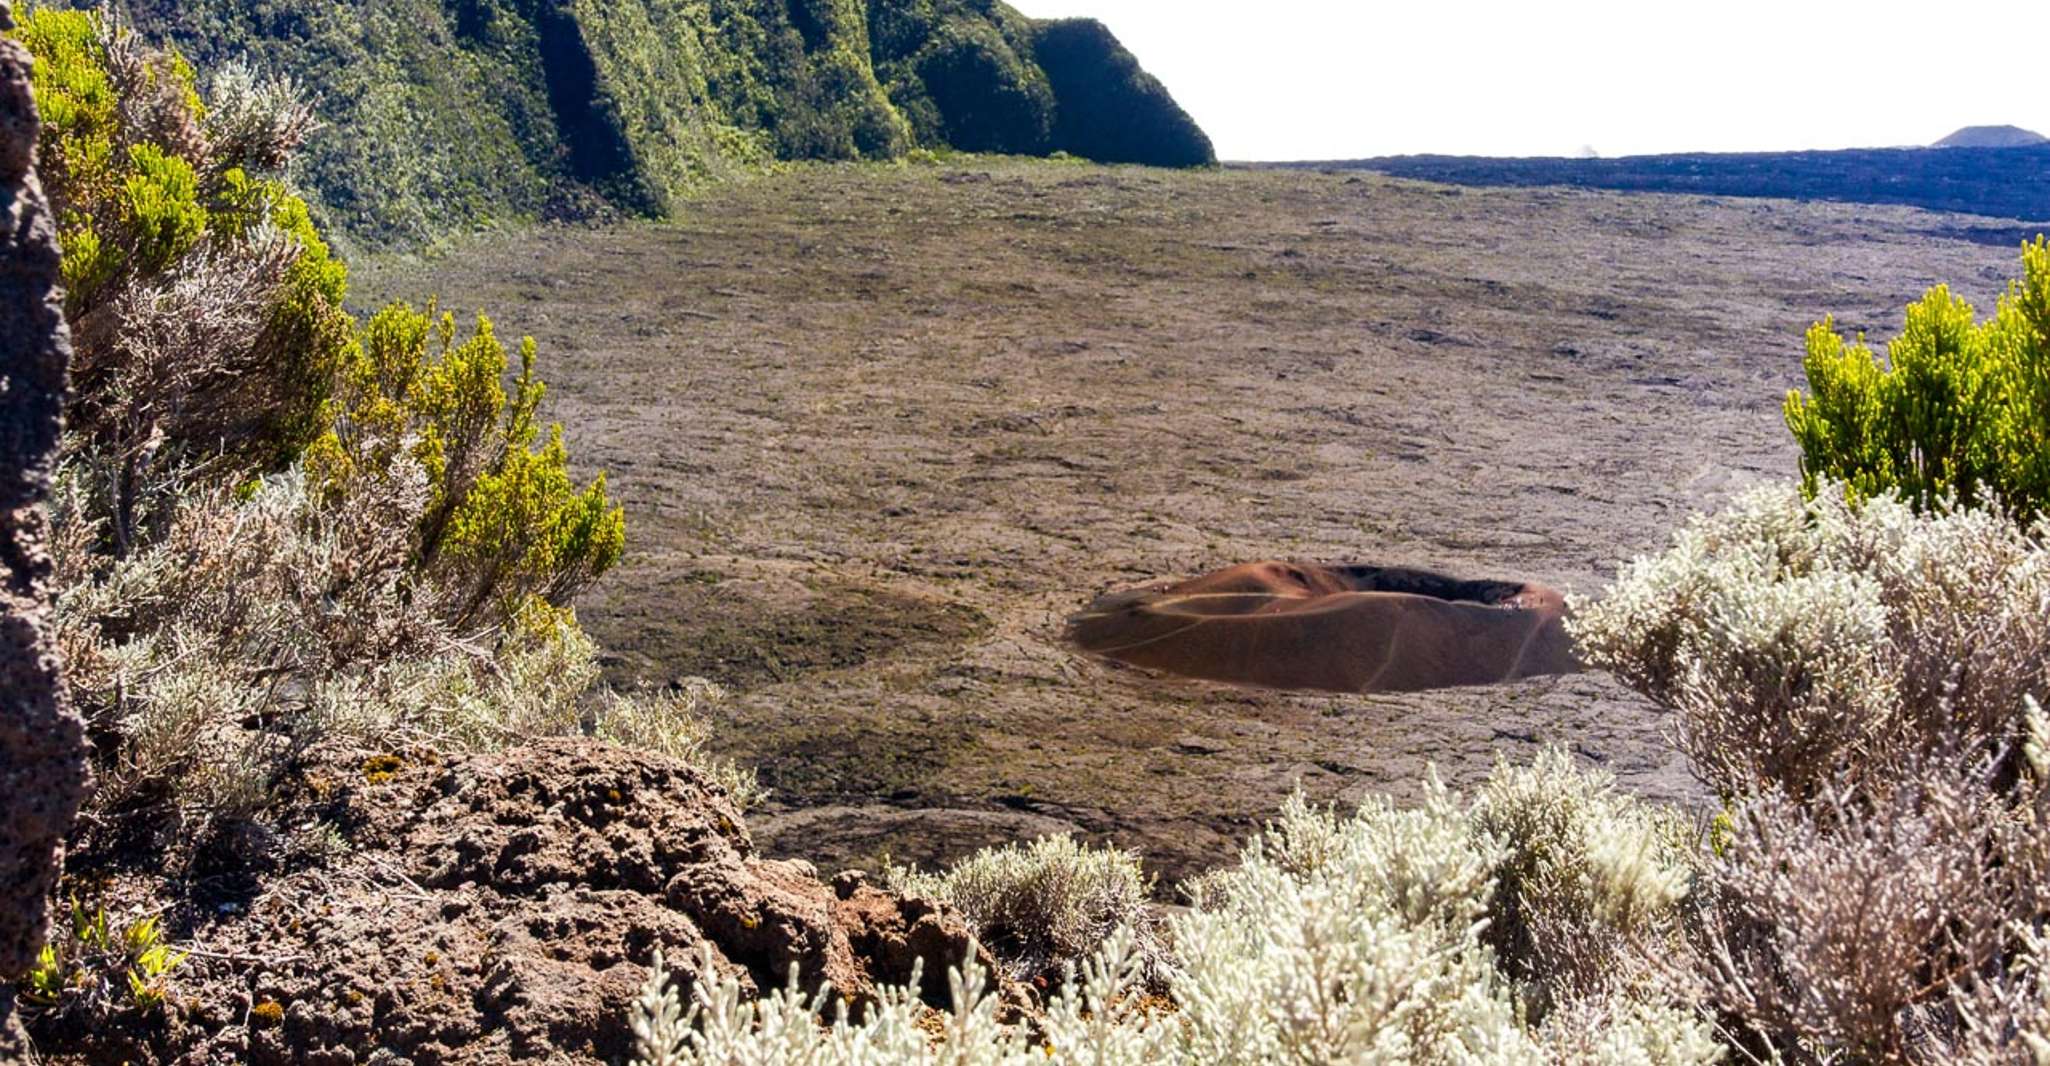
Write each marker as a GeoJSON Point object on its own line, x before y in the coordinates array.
{"type": "Point", "coordinates": [506, 908]}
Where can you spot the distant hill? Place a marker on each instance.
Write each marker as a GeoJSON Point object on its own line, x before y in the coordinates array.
{"type": "Point", "coordinates": [1992, 137]}
{"type": "Point", "coordinates": [2000, 182]}
{"type": "Point", "coordinates": [446, 114]}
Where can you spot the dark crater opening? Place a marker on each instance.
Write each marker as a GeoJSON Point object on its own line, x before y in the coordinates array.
{"type": "Point", "coordinates": [1362, 578]}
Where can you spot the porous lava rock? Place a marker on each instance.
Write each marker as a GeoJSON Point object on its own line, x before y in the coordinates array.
{"type": "Point", "coordinates": [506, 907]}
{"type": "Point", "coordinates": [1333, 628]}
{"type": "Point", "coordinates": [42, 743]}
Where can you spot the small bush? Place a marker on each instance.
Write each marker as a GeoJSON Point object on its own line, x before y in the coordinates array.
{"type": "Point", "coordinates": [95, 967]}
{"type": "Point", "coordinates": [1959, 413]}
{"type": "Point", "coordinates": [274, 616]}
{"type": "Point", "coordinates": [1586, 879]}
{"type": "Point", "coordinates": [1042, 905]}
{"type": "Point", "coordinates": [1886, 923]}
{"type": "Point", "coordinates": [1800, 640]}
{"type": "Point", "coordinates": [1336, 939]}
{"type": "Point", "coordinates": [205, 311]}
{"type": "Point", "coordinates": [1348, 939]}
{"type": "Point", "coordinates": [503, 521]}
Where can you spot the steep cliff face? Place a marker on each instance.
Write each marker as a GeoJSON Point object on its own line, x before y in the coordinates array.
{"type": "Point", "coordinates": [42, 744]}
{"type": "Point", "coordinates": [1110, 109]}
{"type": "Point", "coordinates": [449, 113]}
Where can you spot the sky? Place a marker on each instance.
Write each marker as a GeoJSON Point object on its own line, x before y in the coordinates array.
{"type": "Point", "coordinates": [1336, 79]}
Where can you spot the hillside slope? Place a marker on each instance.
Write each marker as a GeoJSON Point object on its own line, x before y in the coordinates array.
{"type": "Point", "coordinates": [446, 114]}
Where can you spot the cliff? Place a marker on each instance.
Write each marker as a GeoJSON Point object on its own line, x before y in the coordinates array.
{"type": "Point", "coordinates": [42, 741]}
{"type": "Point", "coordinates": [447, 114]}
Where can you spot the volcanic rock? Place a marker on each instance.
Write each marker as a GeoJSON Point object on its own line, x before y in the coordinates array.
{"type": "Point", "coordinates": [1344, 628]}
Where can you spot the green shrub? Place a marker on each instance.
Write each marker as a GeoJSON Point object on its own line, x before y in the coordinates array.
{"type": "Point", "coordinates": [162, 206]}
{"type": "Point", "coordinates": [1959, 412]}
{"type": "Point", "coordinates": [77, 104]}
{"type": "Point", "coordinates": [96, 967]}
{"type": "Point", "coordinates": [503, 522]}
{"type": "Point", "coordinates": [205, 308]}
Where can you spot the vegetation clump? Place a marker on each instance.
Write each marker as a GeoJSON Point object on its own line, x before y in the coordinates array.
{"type": "Point", "coordinates": [96, 967]}
{"type": "Point", "coordinates": [1861, 685]}
{"type": "Point", "coordinates": [1959, 413]}
{"type": "Point", "coordinates": [1800, 641]}
{"type": "Point", "coordinates": [1337, 938]}
{"type": "Point", "coordinates": [204, 307]}
{"type": "Point", "coordinates": [274, 528]}
{"type": "Point", "coordinates": [502, 523]}
{"type": "Point", "coordinates": [1043, 905]}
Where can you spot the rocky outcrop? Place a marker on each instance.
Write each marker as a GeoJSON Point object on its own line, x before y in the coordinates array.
{"type": "Point", "coordinates": [506, 907]}
{"type": "Point", "coordinates": [42, 744]}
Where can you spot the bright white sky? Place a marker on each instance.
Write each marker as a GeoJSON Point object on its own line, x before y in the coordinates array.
{"type": "Point", "coordinates": [1336, 79]}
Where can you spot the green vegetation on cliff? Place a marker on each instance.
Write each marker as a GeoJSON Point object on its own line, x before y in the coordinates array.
{"type": "Point", "coordinates": [1111, 110]}
{"type": "Point", "coordinates": [448, 114]}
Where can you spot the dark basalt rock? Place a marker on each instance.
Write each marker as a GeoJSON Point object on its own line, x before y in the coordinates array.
{"type": "Point", "coordinates": [42, 742]}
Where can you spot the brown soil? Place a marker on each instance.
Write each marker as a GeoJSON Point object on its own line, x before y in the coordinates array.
{"type": "Point", "coordinates": [497, 909]}
{"type": "Point", "coordinates": [880, 431]}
